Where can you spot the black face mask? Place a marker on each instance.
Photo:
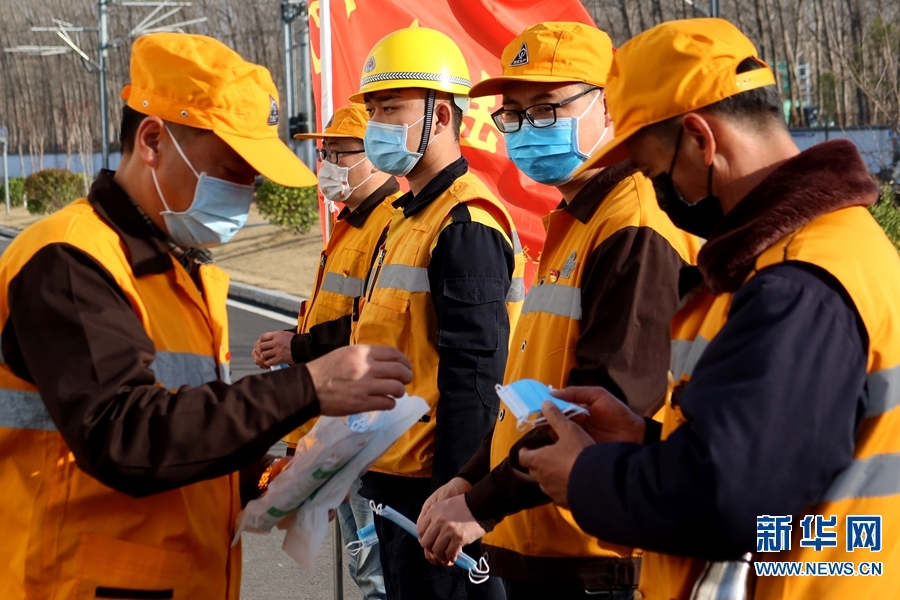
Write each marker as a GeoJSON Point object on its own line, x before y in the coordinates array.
{"type": "Point", "coordinates": [699, 218]}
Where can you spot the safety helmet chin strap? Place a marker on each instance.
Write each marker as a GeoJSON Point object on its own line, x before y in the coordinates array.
{"type": "Point", "coordinates": [426, 126]}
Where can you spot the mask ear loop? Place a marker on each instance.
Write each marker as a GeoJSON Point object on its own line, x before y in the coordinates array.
{"type": "Point", "coordinates": [480, 572]}
{"type": "Point", "coordinates": [181, 152]}
{"type": "Point", "coordinates": [355, 547]}
{"type": "Point", "coordinates": [186, 161]}
{"type": "Point", "coordinates": [605, 130]}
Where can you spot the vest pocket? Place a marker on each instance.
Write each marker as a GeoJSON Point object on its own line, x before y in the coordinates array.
{"type": "Point", "coordinates": [382, 326]}
{"type": "Point", "coordinates": [110, 568]}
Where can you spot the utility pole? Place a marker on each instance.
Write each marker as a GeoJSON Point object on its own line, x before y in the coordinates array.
{"type": "Point", "coordinates": [103, 53]}
{"type": "Point", "coordinates": [298, 120]}
{"type": "Point", "coordinates": [307, 149]}
{"type": "Point", "coordinates": [4, 139]}
{"type": "Point", "coordinates": [714, 8]}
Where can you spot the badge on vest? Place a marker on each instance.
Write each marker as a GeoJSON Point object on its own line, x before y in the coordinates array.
{"type": "Point", "coordinates": [569, 266]}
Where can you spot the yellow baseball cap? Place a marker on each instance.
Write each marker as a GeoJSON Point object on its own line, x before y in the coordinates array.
{"type": "Point", "coordinates": [200, 82]}
{"type": "Point", "coordinates": [673, 69]}
{"type": "Point", "coordinates": [555, 52]}
{"type": "Point", "coordinates": [347, 122]}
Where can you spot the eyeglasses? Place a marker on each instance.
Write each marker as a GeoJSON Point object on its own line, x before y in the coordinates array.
{"type": "Point", "coordinates": [539, 115]}
{"type": "Point", "coordinates": [333, 155]}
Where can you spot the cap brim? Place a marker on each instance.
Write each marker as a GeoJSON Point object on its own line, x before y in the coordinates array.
{"type": "Point", "coordinates": [612, 153]}
{"type": "Point", "coordinates": [323, 136]}
{"type": "Point", "coordinates": [273, 159]}
{"type": "Point", "coordinates": [494, 85]}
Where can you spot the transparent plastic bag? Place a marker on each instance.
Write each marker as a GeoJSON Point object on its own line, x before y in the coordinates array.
{"type": "Point", "coordinates": [307, 525]}
{"type": "Point", "coordinates": [329, 445]}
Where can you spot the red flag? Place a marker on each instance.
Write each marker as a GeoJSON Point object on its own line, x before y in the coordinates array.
{"type": "Point", "coordinates": [481, 28]}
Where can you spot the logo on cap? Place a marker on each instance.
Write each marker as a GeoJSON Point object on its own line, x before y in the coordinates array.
{"type": "Point", "coordinates": [370, 65]}
{"type": "Point", "coordinates": [521, 58]}
{"type": "Point", "coordinates": [330, 121]}
{"type": "Point", "coordinates": [273, 111]}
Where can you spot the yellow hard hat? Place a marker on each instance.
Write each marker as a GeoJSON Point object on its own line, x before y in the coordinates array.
{"type": "Point", "coordinates": [416, 57]}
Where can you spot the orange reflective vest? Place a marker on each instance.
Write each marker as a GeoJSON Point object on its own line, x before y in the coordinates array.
{"type": "Point", "coordinates": [343, 267]}
{"type": "Point", "coordinates": [542, 347]}
{"type": "Point", "coordinates": [398, 311]}
{"type": "Point", "coordinates": [849, 245]}
{"type": "Point", "coordinates": [65, 534]}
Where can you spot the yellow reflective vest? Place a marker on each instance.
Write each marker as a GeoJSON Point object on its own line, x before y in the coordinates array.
{"type": "Point", "coordinates": [542, 347]}
{"type": "Point", "coordinates": [66, 536]}
{"type": "Point", "coordinates": [849, 245]}
{"type": "Point", "coordinates": [398, 310]}
{"type": "Point", "coordinates": [343, 267]}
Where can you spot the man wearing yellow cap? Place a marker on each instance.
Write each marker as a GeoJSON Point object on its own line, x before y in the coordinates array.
{"type": "Point", "coordinates": [781, 430]}
{"type": "Point", "coordinates": [346, 176]}
{"type": "Point", "coordinates": [597, 313]}
{"type": "Point", "coordinates": [445, 289]}
{"type": "Point", "coordinates": [121, 434]}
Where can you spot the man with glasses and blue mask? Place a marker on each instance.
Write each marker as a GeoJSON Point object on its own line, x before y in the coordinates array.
{"type": "Point", "coordinates": [597, 313]}
{"type": "Point", "coordinates": [445, 289]}
{"type": "Point", "coordinates": [127, 452]}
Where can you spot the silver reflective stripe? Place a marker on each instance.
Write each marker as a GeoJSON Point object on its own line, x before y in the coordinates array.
{"type": "Point", "coordinates": [343, 286]}
{"type": "Point", "coordinates": [871, 477]}
{"type": "Point", "coordinates": [175, 369]}
{"type": "Point", "coordinates": [884, 391]}
{"type": "Point", "coordinates": [516, 291]}
{"type": "Point", "coordinates": [554, 299]}
{"type": "Point", "coordinates": [403, 277]}
{"type": "Point", "coordinates": [24, 410]}
{"type": "Point", "coordinates": [685, 354]}
{"type": "Point", "coordinates": [517, 243]}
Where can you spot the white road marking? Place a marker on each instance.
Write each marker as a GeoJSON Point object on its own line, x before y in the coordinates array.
{"type": "Point", "coordinates": [270, 314]}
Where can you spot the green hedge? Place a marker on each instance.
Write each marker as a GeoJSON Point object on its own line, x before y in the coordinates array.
{"type": "Point", "coordinates": [887, 214]}
{"type": "Point", "coordinates": [293, 209]}
{"type": "Point", "coordinates": [51, 189]}
{"type": "Point", "coordinates": [16, 191]}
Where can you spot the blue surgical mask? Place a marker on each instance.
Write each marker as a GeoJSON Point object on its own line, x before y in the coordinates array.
{"type": "Point", "coordinates": [218, 211]}
{"type": "Point", "coordinates": [386, 148]}
{"type": "Point", "coordinates": [550, 155]}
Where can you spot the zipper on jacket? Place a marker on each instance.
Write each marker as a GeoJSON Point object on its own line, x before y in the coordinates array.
{"type": "Point", "coordinates": [375, 273]}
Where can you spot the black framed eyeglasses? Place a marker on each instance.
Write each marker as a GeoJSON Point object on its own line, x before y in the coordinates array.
{"type": "Point", "coordinates": [333, 156]}
{"type": "Point", "coordinates": [539, 115]}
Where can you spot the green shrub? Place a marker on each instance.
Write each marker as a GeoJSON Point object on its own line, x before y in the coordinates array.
{"type": "Point", "coordinates": [887, 214]}
{"type": "Point", "coordinates": [49, 190]}
{"type": "Point", "coordinates": [16, 191]}
{"type": "Point", "coordinates": [292, 209]}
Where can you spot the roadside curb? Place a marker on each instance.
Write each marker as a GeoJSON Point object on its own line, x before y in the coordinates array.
{"type": "Point", "coordinates": [8, 231]}
{"type": "Point", "coordinates": [271, 299]}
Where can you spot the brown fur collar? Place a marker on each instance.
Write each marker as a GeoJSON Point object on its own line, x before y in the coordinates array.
{"type": "Point", "coordinates": [825, 178]}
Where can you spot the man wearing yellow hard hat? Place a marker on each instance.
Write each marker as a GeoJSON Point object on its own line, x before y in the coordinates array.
{"type": "Point", "coordinates": [346, 175]}
{"type": "Point", "coordinates": [445, 289]}
{"type": "Point", "coordinates": [597, 313]}
{"type": "Point", "coordinates": [781, 430]}
{"type": "Point", "coordinates": [122, 435]}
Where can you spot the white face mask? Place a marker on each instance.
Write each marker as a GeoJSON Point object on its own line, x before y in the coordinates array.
{"type": "Point", "coordinates": [334, 181]}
